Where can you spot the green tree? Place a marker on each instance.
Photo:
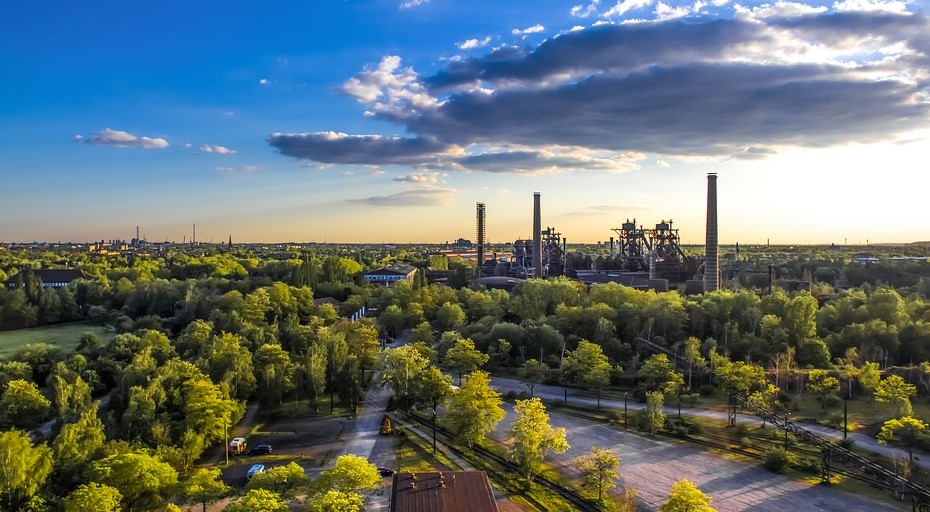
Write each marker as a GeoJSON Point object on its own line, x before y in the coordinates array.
{"type": "Point", "coordinates": [598, 470]}
{"type": "Point", "coordinates": [204, 486]}
{"type": "Point", "coordinates": [140, 478]}
{"type": "Point", "coordinates": [258, 500]}
{"type": "Point", "coordinates": [822, 383]}
{"type": "Point", "coordinates": [281, 480]}
{"type": "Point", "coordinates": [533, 372]}
{"type": "Point", "coordinates": [692, 354]}
{"type": "Point", "coordinates": [77, 443]}
{"type": "Point", "coordinates": [392, 320]}
{"type": "Point", "coordinates": [23, 469]}
{"type": "Point", "coordinates": [431, 388]}
{"type": "Point", "coordinates": [531, 437]}
{"type": "Point", "coordinates": [893, 391]}
{"type": "Point", "coordinates": [399, 370]}
{"type": "Point", "coordinates": [464, 357]}
{"type": "Point", "coordinates": [653, 416]}
{"type": "Point", "coordinates": [740, 377]}
{"type": "Point", "coordinates": [907, 432]}
{"type": "Point", "coordinates": [335, 501]}
{"type": "Point", "coordinates": [350, 474]}
{"type": "Point", "coordinates": [93, 497]}
{"type": "Point", "coordinates": [23, 405]}
{"type": "Point", "coordinates": [208, 410]}
{"type": "Point", "coordinates": [869, 376]}
{"type": "Point", "coordinates": [686, 497]}
{"type": "Point", "coordinates": [658, 374]}
{"type": "Point", "coordinates": [449, 317]}
{"type": "Point", "coordinates": [475, 409]}
{"type": "Point", "coordinates": [587, 366]}
{"type": "Point", "coordinates": [273, 370]}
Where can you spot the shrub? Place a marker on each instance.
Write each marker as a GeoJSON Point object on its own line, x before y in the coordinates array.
{"type": "Point", "coordinates": [745, 441]}
{"type": "Point", "coordinates": [807, 465]}
{"type": "Point", "coordinates": [847, 443]}
{"type": "Point", "coordinates": [741, 429]}
{"type": "Point", "coordinates": [833, 401]}
{"type": "Point", "coordinates": [835, 419]}
{"type": "Point", "coordinates": [706, 390]}
{"type": "Point", "coordinates": [778, 460]}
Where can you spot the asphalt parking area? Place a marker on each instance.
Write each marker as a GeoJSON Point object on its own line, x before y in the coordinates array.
{"type": "Point", "coordinates": [309, 442]}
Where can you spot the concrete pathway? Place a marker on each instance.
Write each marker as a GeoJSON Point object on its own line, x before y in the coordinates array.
{"type": "Point", "coordinates": [579, 397]}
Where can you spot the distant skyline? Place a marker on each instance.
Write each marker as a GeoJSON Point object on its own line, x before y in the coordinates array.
{"type": "Point", "coordinates": [387, 120]}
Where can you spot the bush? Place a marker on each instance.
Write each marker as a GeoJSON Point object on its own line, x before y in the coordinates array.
{"type": "Point", "coordinates": [832, 401]}
{"type": "Point", "coordinates": [745, 441]}
{"type": "Point", "coordinates": [741, 429]}
{"type": "Point", "coordinates": [807, 465]}
{"type": "Point", "coordinates": [707, 390]}
{"type": "Point", "coordinates": [847, 443]}
{"type": "Point", "coordinates": [615, 417]}
{"type": "Point", "coordinates": [778, 460]}
{"type": "Point", "coordinates": [835, 419]}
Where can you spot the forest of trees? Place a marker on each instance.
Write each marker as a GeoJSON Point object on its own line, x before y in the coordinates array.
{"type": "Point", "coordinates": [198, 336]}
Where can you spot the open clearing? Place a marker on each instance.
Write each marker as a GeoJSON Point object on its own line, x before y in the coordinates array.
{"type": "Point", "coordinates": [65, 336]}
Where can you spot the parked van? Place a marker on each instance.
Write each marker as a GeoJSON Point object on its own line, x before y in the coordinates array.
{"type": "Point", "coordinates": [237, 446]}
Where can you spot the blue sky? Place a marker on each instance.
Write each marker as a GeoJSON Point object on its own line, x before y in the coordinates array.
{"type": "Point", "coordinates": [378, 121]}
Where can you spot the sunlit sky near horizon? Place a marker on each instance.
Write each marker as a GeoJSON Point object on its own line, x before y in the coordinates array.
{"type": "Point", "coordinates": [387, 120]}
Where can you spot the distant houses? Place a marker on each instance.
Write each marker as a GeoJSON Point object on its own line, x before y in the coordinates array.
{"type": "Point", "coordinates": [50, 277]}
{"type": "Point", "coordinates": [385, 276]}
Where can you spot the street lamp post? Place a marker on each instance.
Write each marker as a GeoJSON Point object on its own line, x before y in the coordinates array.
{"type": "Point", "coordinates": [434, 429]}
{"type": "Point", "coordinates": [786, 431]}
{"type": "Point", "coordinates": [845, 416]}
{"type": "Point", "coordinates": [226, 438]}
{"type": "Point", "coordinates": [625, 421]}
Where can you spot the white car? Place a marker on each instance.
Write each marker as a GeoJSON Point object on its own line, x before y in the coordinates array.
{"type": "Point", "coordinates": [255, 470]}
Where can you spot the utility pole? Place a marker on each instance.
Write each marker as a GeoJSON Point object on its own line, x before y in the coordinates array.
{"type": "Point", "coordinates": [226, 438]}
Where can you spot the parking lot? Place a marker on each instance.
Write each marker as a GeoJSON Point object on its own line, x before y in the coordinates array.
{"type": "Point", "coordinates": [307, 441]}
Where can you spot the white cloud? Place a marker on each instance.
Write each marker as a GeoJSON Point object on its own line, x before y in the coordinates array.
{"type": "Point", "coordinates": [215, 148]}
{"type": "Point", "coordinates": [408, 4]}
{"type": "Point", "coordinates": [77, 138]}
{"type": "Point", "coordinates": [535, 29]}
{"type": "Point", "coordinates": [581, 11]}
{"type": "Point", "coordinates": [428, 177]}
{"type": "Point", "coordinates": [474, 43]}
{"type": "Point", "coordinates": [264, 81]}
{"type": "Point", "coordinates": [667, 12]}
{"type": "Point", "coordinates": [389, 88]}
{"type": "Point", "coordinates": [121, 139]}
{"type": "Point", "coordinates": [421, 196]}
{"type": "Point", "coordinates": [247, 168]}
{"type": "Point", "coordinates": [871, 6]}
{"type": "Point", "coordinates": [780, 9]}
{"type": "Point", "coordinates": [624, 6]}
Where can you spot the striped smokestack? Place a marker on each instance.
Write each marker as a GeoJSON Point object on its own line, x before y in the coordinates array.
{"type": "Point", "coordinates": [711, 260]}
{"type": "Point", "coordinates": [537, 237]}
{"type": "Point", "coordinates": [481, 236]}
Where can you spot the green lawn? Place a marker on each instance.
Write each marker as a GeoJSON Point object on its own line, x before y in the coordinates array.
{"type": "Point", "coordinates": [65, 336]}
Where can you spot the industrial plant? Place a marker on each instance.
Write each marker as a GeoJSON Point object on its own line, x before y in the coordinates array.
{"type": "Point", "coordinates": [640, 257]}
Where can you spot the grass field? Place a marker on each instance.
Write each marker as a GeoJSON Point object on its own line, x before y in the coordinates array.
{"type": "Point", "coordinates": [65, 336]}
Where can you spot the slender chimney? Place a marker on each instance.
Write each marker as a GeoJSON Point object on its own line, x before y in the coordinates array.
{"type": "Point", "coordinates": [537, 236]}
{"type": "Point", "coordinates": [137, 236]}
{"type": "Point", "coordinates": [611, 247]}
{"type": "Point", "coordinates": [194, 235]}
{"type": "Point", "coordinates": [711, 260]}
{"type": "Point", "coordinates": [481, 236]}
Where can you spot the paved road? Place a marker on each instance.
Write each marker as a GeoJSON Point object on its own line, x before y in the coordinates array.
{"type": "Point", "coordinates": [651, 467]}
{"type": "Point", "coordinates": [578, 397]}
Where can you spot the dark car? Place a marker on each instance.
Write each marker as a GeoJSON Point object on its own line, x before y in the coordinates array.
{"type": "Point", "coordinates": [262, 449]}
{"type": "Point", "coordinates": [385, 471]}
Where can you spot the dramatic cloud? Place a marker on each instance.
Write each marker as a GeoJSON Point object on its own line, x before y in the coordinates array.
{"type": "Point", "coordinates": [122, 139]}
{"type": "Point", "coordinates": [216, 148]}
{"type": "Point", "coordinates": [425, 196]}
{"type": "Point", "coordinates": [340, 148]}
{"type": "Point", "coordinates": [778, 76]}
{"type": "Point", "coordinates": [471, 44]}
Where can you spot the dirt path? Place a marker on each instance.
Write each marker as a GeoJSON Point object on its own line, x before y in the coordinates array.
{"type": "Point", "coordinates": [651, 467]}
